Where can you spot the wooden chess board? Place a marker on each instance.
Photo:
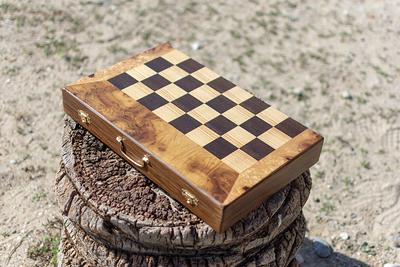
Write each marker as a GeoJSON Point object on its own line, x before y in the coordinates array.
{"type": "Point", "coordinates": [207, 139]}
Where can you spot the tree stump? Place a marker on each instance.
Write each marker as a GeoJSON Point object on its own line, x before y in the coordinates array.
{"type": "Point", "coordinates": [115, 216]}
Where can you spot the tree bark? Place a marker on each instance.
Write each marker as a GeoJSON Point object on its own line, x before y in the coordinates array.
{"type": "Point", "coordinates": [114, 216]}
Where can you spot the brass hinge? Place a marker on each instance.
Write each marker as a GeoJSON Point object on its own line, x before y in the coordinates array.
{"type": "Point", "coordinates": [84, 117]}
{"type": "Point", "coordinates": [190, 198]}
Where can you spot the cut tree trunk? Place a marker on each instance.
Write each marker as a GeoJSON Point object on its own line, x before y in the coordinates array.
{"type": "Point", "coordinates": [115, 216]}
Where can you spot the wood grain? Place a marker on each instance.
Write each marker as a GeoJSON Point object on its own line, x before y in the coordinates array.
{"type": "Point", "coordinates": [126, 64]}
{"type": "Point", "coordinates": [250, 190]}
{"type": "Point", "coordinates": [173, 155]}
{"type": "Point", "coordinates": [114, 215]}
{"type": "Point", "coordinates": [228, 188]}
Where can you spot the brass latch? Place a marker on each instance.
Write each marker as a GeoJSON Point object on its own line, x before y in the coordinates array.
{"type": "Point", "coordinates": [190, 198]}
{"type": "Point", "coordinates": [84, 116]}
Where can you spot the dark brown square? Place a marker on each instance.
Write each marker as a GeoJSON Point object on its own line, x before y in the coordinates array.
{"type": "Point", "coordinates": [185, 123]}
{"type": "Point", "coordinates": [156, 82]}
{"type": "Point", "coordinates": [190, 65]}
{"type": "Point", "coordinates": [257, 149]}
{"type": "Point", "coordinates": [290, 127]}
{"type": "Point", "coordinates": [152, 101]}
{"type": "Point", "coordinates": [256, 126]}
{"type": "Point", "coordinates": [188, 83]}
{"type": "Point", "coordinates": [254, 105]}
{"type": "Point", "coordinates": [187, 102]}
{"type": "Point", "coordinates": [122, 80]}
{"type": "Point", "coordinates": [158, 64]}
{"type": "Point", "coordinates": [220, 148]}
{"type": "Point", "coordinates": [221, 103]}
{"type": "Point", "coordinates": [220, 125]}
{"type": "Point", "coordinates": [221, 84]}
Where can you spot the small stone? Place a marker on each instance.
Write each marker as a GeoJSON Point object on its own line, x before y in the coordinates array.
{"type": "Point", "coordinates": [298, 91]}
{"type": "Point", "coordinates": [347, 95]}
{"type": "Point", "coordinates": [195, 45]}
{"type": "Point", "coordinates": [299, 258]}
{"type": "Point", "coordinates": [322, 248]}
{"type": "Point", "coordinates": [13, 161]}
{"type": "Point", "coordinates": [391, 265]}
{"type": "Point", "coordinates": [344, 236]}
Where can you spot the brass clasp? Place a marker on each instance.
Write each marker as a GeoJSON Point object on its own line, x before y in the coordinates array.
{"type": "Point", "coordinates": [190, 198]}
{"type": "Point", "coordinates": [84, 117]}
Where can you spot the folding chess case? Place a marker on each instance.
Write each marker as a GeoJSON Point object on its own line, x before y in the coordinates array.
{"type": "Point", "coordinates": [212, 145]}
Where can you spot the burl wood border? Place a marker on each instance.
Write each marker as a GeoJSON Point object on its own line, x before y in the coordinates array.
{"type": "Point", "coordinates": [224, 195]}
{"type": "Point", "coordinates": [126, 64]}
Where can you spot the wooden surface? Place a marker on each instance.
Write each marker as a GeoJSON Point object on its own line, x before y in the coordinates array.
{"type": "Point", "coordinates": [211, 137]}
{"type": "Point", "coordinates": [79, 249]}
{"type": "Point", "coordinates": [114, 216]}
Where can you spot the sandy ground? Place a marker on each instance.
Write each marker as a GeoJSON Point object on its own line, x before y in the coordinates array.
{"type": "Point", "coordinates": [333, 65]}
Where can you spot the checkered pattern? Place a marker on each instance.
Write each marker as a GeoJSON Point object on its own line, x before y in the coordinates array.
{"type": "Point", "coordinates": [224, 119]}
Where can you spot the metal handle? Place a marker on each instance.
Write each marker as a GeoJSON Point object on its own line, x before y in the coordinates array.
{"type": "Point", "coordinates": [145, 158]}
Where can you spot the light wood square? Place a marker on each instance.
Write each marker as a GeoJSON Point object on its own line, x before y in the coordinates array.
{"type": "Point", "coordinates": [239, 161]}
{"type": "Point", "coordinates": [272, 116]}
{"type": "Point", "coordinates": [168, 112]}
{"type": "Point", "coordinates": [238, 136]}
{"type": "Point", "coordinates": [202, 135]}
{"type": "Point", "coordinates": [274, 138]}
{"type": "Point", "coordinates": [171, 92]}
{"type": "Point", "coordinates": [175, 56]}
{"type": "Point", "coordinates": [237, 94]}
{"type": "Point", "coordinates": [205, 75]}
{"type": "Point", "coordinates": [137, 91]}
{"type": "Point", "coordinates": [204, 93]}
{"type": "Point", "coordinates": [141, 72]}
{"type": "Point", "coordinates": [238, 114]}
{"type": "Point", "coordinates": [173, 73]}
{"type": "Point", "coordinates": [203, 113]}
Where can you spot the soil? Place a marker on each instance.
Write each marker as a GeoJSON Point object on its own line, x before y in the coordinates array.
{"type": "Point", "coordinates": [332, 65]}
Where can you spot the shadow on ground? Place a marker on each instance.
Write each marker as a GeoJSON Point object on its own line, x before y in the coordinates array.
{"type": "Point", "coordinates": [335, 260]}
